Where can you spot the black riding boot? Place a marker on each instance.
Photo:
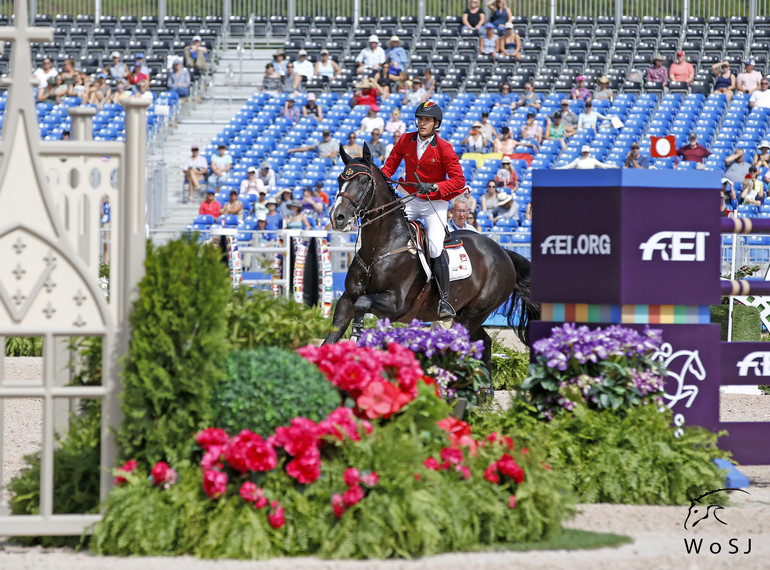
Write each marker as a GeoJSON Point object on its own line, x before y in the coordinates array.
{"type": "Point", "coordinates": [440, 268]}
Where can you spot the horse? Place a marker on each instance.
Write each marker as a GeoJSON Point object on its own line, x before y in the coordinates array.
{"type": "Point", "coordinates": [386, 277]}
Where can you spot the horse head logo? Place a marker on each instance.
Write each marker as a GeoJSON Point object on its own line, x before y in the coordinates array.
{"type": "Point", "coordinates": [679, 365]}
{"type": "Point", "coordinates": [700, 511]}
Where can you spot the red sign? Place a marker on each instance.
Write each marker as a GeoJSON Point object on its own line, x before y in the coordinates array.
{"type": "Point", "coordinates": [662, 147]}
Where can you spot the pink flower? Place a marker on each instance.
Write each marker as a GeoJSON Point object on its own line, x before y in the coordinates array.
{"type": "Point", "coordinates": [276, 518]}
{"type": "Point", "coordinates": [337, 500]}
{"type": "Point", "coordinates": [454, 456]}
{"type": "Point", "coordinates": [370, 479]}
{"type": "Point", "coordinates": [352, 476]}
{"type": "Point", "coordinates": [353, 495]}
{"type": "Point", "coordinates": [211, 457]}
{"type": "Point", "coordinates": [247, 451]}
{"type": "Point", "coordinates": [127, 468]}
{"type": "Point", "coordinates": [431, 463]}
{"type": "Point", "coordinates": [464, 471]}
{"type": "Point", "coordinates": [162, 474]}
{"type": "Point", "coordinates": [340, 423]}
{"type": "Point", "coordinates": [212, 436]}
{"type": "Point", "coordinates": [306, 468]}
{"type": "Point", "coordinates": [250, 492]}
{"type": "Point", "coordinates": [300, 436]}
{"type": "Point", "coordinates": [382, 399]}
{"type": "Point", "coordinates": [261, 502]}
{"type": "Point", "coordinates": [508, 442]}
{"type": "Point", "coordinates": [490, 473]}
{"type": "Point", "coordinates": [508, 467]}
{"type": "Point", "coordinates": [367, 426]}
{"type": "Point", "coordinates": [512, 501]}
{"type": "Point", "coordinates": [214, 483]}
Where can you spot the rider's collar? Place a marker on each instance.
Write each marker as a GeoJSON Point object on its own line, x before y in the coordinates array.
{"type": "Point", "coordinates": [433, 141]}
{"type": "Point", "coordinates": [353, 170]}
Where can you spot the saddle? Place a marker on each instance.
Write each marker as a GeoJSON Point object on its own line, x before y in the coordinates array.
{"type": "Point", "coordinates": [420, 237]}
{"type": "Point", "coordinates": [459, 262]}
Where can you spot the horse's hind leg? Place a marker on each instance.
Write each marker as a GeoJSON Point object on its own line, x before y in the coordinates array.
{"type": "Point", "coordinates": [343, 314]}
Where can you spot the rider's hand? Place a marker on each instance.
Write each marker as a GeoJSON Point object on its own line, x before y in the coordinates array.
{"type": "Point", "coordinates": [426, 188]}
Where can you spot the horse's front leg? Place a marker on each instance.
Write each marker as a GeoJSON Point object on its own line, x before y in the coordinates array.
{"type": "Point", "coordinates": [380, 303]}
{"type": "Point", "coordinates": [343, 314]}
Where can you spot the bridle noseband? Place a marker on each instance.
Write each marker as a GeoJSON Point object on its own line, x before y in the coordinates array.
{"type": "Point", "coordinates": [350, 172]}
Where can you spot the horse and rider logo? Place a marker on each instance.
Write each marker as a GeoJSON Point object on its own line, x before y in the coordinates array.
{"type": "Point", "coordinates": [700, 511]}
{"type": "Point", "coordinates": [679, 365]}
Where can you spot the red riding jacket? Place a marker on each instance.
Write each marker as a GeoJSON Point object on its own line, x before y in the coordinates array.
{"type": "Point", "coordinates": [438, 163]}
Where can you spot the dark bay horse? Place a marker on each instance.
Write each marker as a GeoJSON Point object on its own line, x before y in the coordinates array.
{"type": "Point", "coordinates": [386, 277]}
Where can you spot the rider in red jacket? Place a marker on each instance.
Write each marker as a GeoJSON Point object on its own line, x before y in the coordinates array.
{"type": "Point", "coordinates": [433, 161]}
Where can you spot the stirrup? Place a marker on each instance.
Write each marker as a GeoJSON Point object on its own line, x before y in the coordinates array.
{"type": "Point", "coordinates": [445, 310]}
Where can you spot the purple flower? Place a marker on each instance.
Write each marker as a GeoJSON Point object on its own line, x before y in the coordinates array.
{"type": "Point", "coordinates": [453, 342]}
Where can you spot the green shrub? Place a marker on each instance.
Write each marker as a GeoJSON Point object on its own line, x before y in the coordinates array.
{"type": "Point", "coordinates": [24, 346]}
{"type": "Point", "coordinates": [612, 457]}
{"type": "Point", "coordinates": [265, 388]}
{"type": "Point", "coordinates": [509, 367]}
{"type": "Point", "coordinates": [177, 348]}
{"type": "Point", "coordinates": [747, 325]}
{"type": "Point", "coordinates": [257, 318]}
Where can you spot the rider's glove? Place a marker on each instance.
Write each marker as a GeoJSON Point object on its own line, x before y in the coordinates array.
{"type": "Point", "coordinates": [426, 188]}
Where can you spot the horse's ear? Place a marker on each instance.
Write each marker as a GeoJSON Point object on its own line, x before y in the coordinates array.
{"type": "Point", "coordinates": [345, 156]}
{"type": "Point", "coordinates": [367, 156]}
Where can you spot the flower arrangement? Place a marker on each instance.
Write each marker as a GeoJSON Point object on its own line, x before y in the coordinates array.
{"type": "Point", "coordinates": [606, 368]}
{"type": "Point", "coordinates": [447, 355]}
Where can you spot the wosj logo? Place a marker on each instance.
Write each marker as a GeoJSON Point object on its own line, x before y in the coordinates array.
{"type": "Point", "coordinates": [703, 511]}
{"type": "Point", "coordinates": [756, 362]}
{"type": "Point", "coordinates": [675, 246]}
{"type": "Point", "coordinates": [581, 244]}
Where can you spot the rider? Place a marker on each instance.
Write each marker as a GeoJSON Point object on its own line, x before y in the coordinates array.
{"type": "Point", "coordinates": [432, 166]}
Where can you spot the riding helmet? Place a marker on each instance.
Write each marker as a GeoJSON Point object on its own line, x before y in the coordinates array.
{"type": "Point", "coordinates": [430, 109]}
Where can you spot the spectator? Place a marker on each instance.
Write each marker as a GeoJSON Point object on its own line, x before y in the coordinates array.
{"type": "Point", "coordinates": [603, 90]}
{"type": "Point", "coordinates": [489, 198]}
{"type": "Point", "coordinates": [681, 70]}
{"type": "Point", "coordinates": [396, 136]}
{"type": "Point", "coordinates": [588, 119]}
{"type": "Point", "coordinates": [46, 72]}
{"type": "Point", "coordinates": [635, 159]}
{"type": "Point", "coordinates": [296, 220]}
{"type": "Point", "coordinates": [47, 93]}
{"type": "Point", "coordinates": [415, 93]}
{"type": "Point", "coordinates": [318, 192]}
{"type": "Point", "coordinates": [280, 63]}
{"type": "Point", "coordinates": [196, 54]}
{"type": "Point", "coordinates": [473, 17]}
{"type": "Point", "coordinates": [762, 158]}
{"type": "Point", "coordinates": [510, 42]}
{"type": "Point", "coordinates": [267, 176]}
{"type": "Point", "coordinates": [195, 167]}
{"type": "Point", "coordinates": [311, 109]}
{"type": "Point", "coordinates": [327, 147]}
{"type": "Point", "coordinates": [753, 190]}
{"type": "Point", "coordinates": [749, 80]}
{"type": "Point", "coordinates": [488, 42]}
{"type": "Point", "coordinates": [568, 118]}
{"type": "Point", "coordinates": [506, 97]}
{"type": "Point", "coordinates": [210, 207]}
{"type": "Point", "coordinates": [428, 83]}
{"type": "Point", "coordinates": [529, 97]}
{"type": "Point", "coordinates": [79, 89]}
{"type": "Point", "coordinates": [68, 74]}
{"type": "Point", "coordinates": [142, 92]}
{"type": "Point", "coordinates": [371, 121]}
{"type": "Point", "coordinates": [137, 73]}
{"type": "Point", "coordinates": [272, 81]}
{"type": "Point", "coordinates": [326, 68]}
{"type": "Point", "coordinates": [471, 221]}
{"type": "Point", "coordinates": [499, 14]}
{"type": "Point", "coordinates": [395, 123]}
{"type": "Point", "coordinates": [658, 72]}
{"type": "Point", "coordinates": [586, 162]}
{"type": "Point", "coordinates": [139, 60]}
{"type": "Point", "coordinates": [725, 82]}
{"type": "Point", "coordinates": [116, 69]}
{"type": "Point", "coordinates": [505, 208]}
{"type": "Point", "coordinates": [273, 218]}
{"type": "Point", "coordinates": [487, 129]}
{"type": "Point", "coordinates": [555, 130]}
{"type": "Point", "coordinates": [506, 143]}
{"type": "Point", "coordinates": [179, 79]}
{"type": "Point", "coordinates": [100, 91]}
{"type": "Point", "coordinates": [283, 208]}
{"type": "Point", "coordinates": [367, 91]}
{"type": "Point", "coordinates": [376, 145]}
{"type": "Point", "coordinates": [303, 66]}
{"type": "Point", "coordinates": [260, 206]}
{"type": "Point", "coordinates": [472, 204]}
{"type": "Point", "coordinates": [371, 57]}
{"type": "Point", "coordinates": [458, 213]}
{"type": "Point", "coordinates": [252, 185]}
{"type": "Point", "coordinates": [532, 132]}
{"type": "Point", "coordinates": [693, 151]}
{"type": "Point", "coordinates": [475, 141]}
{"type": "Point", "coordinates": [234, 206]}
{"type": "Point", "coordinates": [397, 54]}
{"type": "Point", "coordinates": [292, 81]}
{"type": "Point", "coordinates": [312, 206]}
{"type": "Point", "coordinates": [580, 92]}
{"type": "Point", "coordinates": [221, 163]}
{"type": "Point", "coordinates": [289, 111]}
{"type": "Point", "coordinates": [353, 148]}
{"type": "Point", "coordinates": [120, 92]}
{"type": "Point", "coordinates": [528, 211]}
{"type": "Point", "coordinates": [760, 99]}
{"type": "Point", "coordinates": [506, 176]}
{"type": "Point", "coordinates": [736, 169]}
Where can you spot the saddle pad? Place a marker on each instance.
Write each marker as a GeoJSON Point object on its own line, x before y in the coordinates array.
{"type": "Point", "coordinates": [459, 264]}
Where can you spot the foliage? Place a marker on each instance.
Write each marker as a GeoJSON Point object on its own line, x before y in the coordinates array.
{"type": "Point", "coordinates": [407, 510]}
{"type": "Point", "coordinates": [24, 346]}
{"type": "Point", "coordinates": [446, 354]}
{"type": "Point", "coordinates": [603, 369]}
{"type": "Point", "coordinates": [267, 387]}
{"type": "Point", "coordinates": [741, 273]}
{"type": "Point", "coordinates": [747, 323]}
{"type": "Point", "coordinates": [256, 318]}
{"type": "Point", "coordinates": [509, 367]}
{"type": "Point", "coordinates": [176, 350]}
{"type": "Point", "coordinates": [618, 456]}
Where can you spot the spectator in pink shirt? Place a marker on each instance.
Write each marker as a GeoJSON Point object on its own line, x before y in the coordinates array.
{"type": "Point", "coordinates": [749, 80]}
{"type": "Point", "coordinates": [681, 69]}
{"type": "Point", "coordinates": [658, 72]}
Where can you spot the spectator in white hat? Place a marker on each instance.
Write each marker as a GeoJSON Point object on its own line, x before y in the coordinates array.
{"type": "Point", "coordinates": [762, 158]}
{"type": "Point", "coordinates": [179, 79]}
{"type": "Point", "coordinates": [371, 57]}
{"type": "Point", "coordinates": [326, 67]}
{"type": "Point", "coordinates": [749, 80]}
{"type": "Point", "coordinates": [303, 66]}
{"type": "Point", "coordinates": [585, 162]}
{"type": "Point", "coordinates": [196, 54]}
{"type": "Point", "coordinates": [475, 141]}
{"type": "Point", "coordinates": [116, 69]}
{"type": "Point", "coordinates": [252, 184]}
{"type": "Point", "coordinates": [397, 54]}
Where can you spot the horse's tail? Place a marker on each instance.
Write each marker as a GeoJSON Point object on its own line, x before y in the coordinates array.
{"type": "Point", "coordinates": [521, 298]}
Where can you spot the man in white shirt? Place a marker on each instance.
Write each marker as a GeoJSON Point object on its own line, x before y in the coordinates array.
{"type": "Point", "coordinates": [194, 167]}
{"type": "Point", "coordinates": [459, 215]}
{"type": "Point", "coordinates": [749, 80]}
{"type": "Point", "coordinates": [372, 57]}
{"type": "Point", "coordinates": [267, 176]}
{"type": "Point", "coordinates": [372, 121]}
{"type": "Point", "coordinates": [585, 162]}
{"type": "Point", "coordinates": [303, 66]}
{"type": "Point", "coordinates": [760, 99]}
{"type": "Point", "coordinates": [43, 74]}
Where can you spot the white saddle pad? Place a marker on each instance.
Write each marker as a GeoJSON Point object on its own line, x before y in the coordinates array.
{"type": "Point", "coordinates": [459, 264]}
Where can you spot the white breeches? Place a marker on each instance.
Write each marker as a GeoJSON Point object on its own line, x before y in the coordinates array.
{"type": "Point", "coordinates": [434, 214]}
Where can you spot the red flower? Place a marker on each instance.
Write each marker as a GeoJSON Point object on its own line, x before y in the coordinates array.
{"type": "Point", "coordinates": [306, 468]}
{"type": "Point", "coordinates": [508, 442]}
{"type": "Point", "coordinates": [508, 467]}
{"type": "Point", "coordinates": [338, 511]}
{"type": "Point", "coordinates": [212, 436]}
{"type": "Point", "coordinates": [431, 382]}
{"type": "Point", "coordinates": [261, 502]}
{"type": "Point", "coordinates": [454, 456]}
{"type": "Point", "coordinates": [214, 483]}
{"type": "Point", "coordinates": [464, 471]}
{"type": "Point", "coordinates": [339, 423]}
{"type": "Point", "coordinates": [277, 518]}
{"type": "Point", "coordinates": [546, 466]}
{"type": "Point", "coordinates": [338, 505]}
{"type": "Point", "coordinates": [211, 457]}
{"type": "Point", "coordinates": [490, 473]}
{"type": "Point", "coordinates": [431, 463]}
{"type": "Point", "coordinates": [370, 479]}
{"type": "Point", "coordinates": [353, 495]}
{"type": "Point", "coordinates": [352, 476]}
{"type": "Point", "coordinates": [162, 474]}
{"type": "Point", "coordinates": [455, 428]}
{"type": "Point", "coordinates": [382, 399]}
{"type": "Point", "coordinates": [417, 476]}
{"type": "Point", "coordinates": [128, 467]}
{"type": "Point", "coordinates": [492, 437]}
{"type": "Point", "coordinates": [250, 492]}
{"type": "Point", "coordinates": [512, 501]}
{"type": "Point", "coordinates": [300, 436]}
{"type": "Point", "coordinates": [247, 451]}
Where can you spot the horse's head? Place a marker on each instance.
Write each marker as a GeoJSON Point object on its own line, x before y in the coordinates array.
{"type": "Point", "coordinates": [357, 191]}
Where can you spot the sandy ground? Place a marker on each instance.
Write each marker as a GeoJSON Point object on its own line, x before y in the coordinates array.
{"type": "Point", "coordinates": [657, 532]}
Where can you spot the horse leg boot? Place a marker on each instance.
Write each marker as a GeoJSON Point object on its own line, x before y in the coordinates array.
{"type": "Point", "coordinates": [440, 268]}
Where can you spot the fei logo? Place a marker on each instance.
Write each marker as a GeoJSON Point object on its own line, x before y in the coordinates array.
{"type": "Point", "coordinates": [675, 246]}
{"type": "Point", "coordinates": [758, 361]}
{"type": "Point", "coordinates": [583, 244]}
